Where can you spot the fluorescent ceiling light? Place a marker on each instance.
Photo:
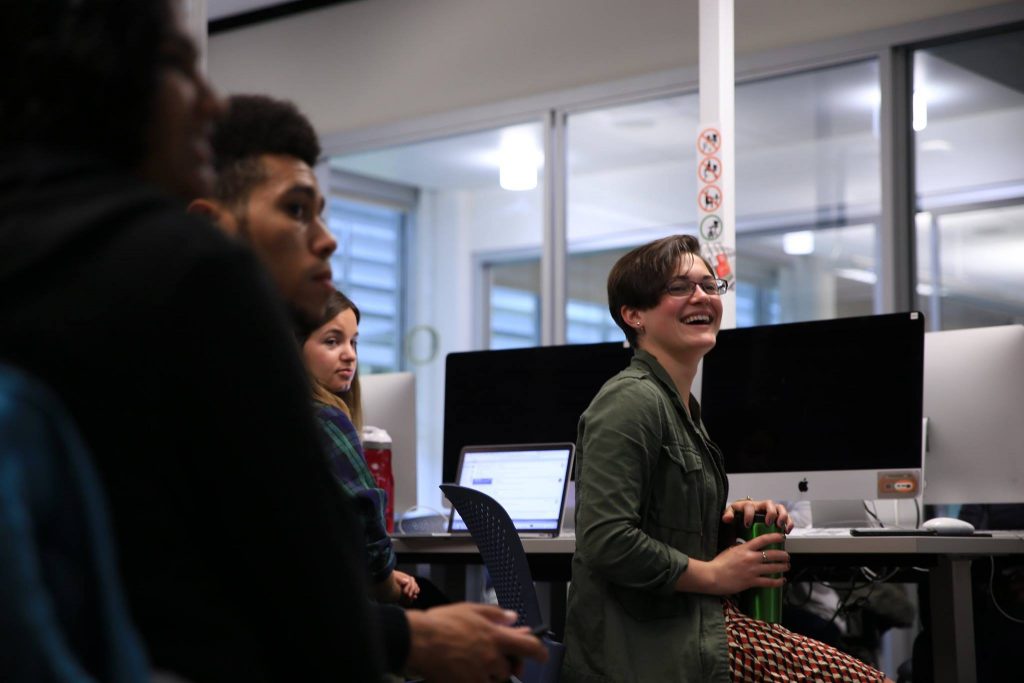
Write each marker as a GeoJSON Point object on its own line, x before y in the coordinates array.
{"type": "Point", "coordinates": [798, 243]}
{"type": "Point", "coordinates": [518, 160]}
{"type": "Point", "coordinates": [517, 175]}
{"type": "Point", "coordinates": [868, 277]}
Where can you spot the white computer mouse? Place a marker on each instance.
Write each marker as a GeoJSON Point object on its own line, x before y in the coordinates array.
{"type": "Point", "coordinates": [949, 526]}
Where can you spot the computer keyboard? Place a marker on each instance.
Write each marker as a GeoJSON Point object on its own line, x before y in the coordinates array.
{"type": "Point", "coordinates": [890, 531]}
{"type": "Point", "coordinates": [840, 532]}
{"type": "Point", "coordinates": [819, 532]}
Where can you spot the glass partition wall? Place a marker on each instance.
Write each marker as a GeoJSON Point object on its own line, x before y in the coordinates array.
{"type": "Point", "coordinates": [808, 195]}
{"type": "Point", "coordinates": [969, 156]}
{"type": "Point", "coordinates": [807, 186]}
{"type": "Point", "coordinates": [489, 206]}
{"type": "Point", "coordinates": [630, 179]}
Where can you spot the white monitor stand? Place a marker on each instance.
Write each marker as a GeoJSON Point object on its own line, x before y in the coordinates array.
{"type": "Point", "coordinates": [827, 514]}
{"type": "Point", "coordinates": [389, 402]}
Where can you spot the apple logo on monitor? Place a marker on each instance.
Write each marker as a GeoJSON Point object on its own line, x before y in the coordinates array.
{"type": "Point", "coordinates": [802, 486]}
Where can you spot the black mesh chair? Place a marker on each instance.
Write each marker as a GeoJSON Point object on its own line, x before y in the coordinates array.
{"type": "Point", "coordinates": [503, 554]}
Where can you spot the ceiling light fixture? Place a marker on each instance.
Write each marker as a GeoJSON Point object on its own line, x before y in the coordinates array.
{"type": "Point", "coordinates": [798, 243]}
{"type": "Point", "coordinates": [518, 160]}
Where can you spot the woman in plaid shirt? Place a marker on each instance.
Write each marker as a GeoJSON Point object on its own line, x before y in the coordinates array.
{"type": "Point", "coordinates": [330, 352]}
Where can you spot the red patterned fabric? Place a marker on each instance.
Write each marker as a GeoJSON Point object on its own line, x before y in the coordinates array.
{"type": "Point", "coordinates": [759, 651]}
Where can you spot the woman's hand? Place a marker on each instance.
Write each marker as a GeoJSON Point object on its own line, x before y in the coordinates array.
{"type": "Point", "coordinates": [743, 566]}
{"type": "Point", "coordinates": [774, 513]}
{"type": "Point", "coordinates": [410, 590]}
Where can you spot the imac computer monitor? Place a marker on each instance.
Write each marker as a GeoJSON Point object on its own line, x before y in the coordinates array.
{"type": "Point", "coordinates": [823, 410]}
{"type": "Point", "coordinates": [532, 395]}
{"type": "Point", "coordinates": [389, 402]}
{"type": "Point", "coordinates": [973, 393]}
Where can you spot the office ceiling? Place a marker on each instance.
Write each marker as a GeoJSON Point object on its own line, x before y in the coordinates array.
{"type": "Point", "coordinates": [228, 14]}
{"type": "Point", "coordinates": [222, 9]}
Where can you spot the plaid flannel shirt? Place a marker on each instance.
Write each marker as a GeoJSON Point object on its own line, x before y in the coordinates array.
{"type": "Point", "coordinates": [348, 466]}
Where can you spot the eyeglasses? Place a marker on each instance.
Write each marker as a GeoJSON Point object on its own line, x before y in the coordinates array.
{"type": "Point", "coordinates": [712, 286]}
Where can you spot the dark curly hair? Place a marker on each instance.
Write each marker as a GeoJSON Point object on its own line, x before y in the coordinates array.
{"type": "Point", "coordinates": [81, 74]}
{"type": "Point", "coordinates": [638, 279]}
{"type": "Point", "coordinates": [257, 125]}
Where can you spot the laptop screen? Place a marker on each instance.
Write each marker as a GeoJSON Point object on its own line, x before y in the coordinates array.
{"type": "Point", "coordinates": [529, 481]}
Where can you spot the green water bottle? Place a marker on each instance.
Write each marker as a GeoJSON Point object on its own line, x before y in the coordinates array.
{"type": "Point", "coordinates": [761, 603]}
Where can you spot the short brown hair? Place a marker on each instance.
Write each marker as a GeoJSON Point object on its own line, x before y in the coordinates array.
{"type": "Point", "coordinates": [638, 279]}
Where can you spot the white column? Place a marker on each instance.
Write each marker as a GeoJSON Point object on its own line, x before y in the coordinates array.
{"type": "Point", "coordinates": [716, 146]}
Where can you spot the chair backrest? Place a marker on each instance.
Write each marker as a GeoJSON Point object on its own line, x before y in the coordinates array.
{"type": "Point", "coordinates": [502, 551]}
{"type": "Point", "coordinates": [501, 548]}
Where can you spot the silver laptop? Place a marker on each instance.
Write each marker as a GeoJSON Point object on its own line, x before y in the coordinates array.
{"type": "Point", "coordinates": [530, 481]}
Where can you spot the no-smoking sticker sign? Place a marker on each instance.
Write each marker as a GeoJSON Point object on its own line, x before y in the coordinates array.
{"type": "Point", "coordinates": [709, 198]}
{"type": "Point", "coordinates": [709, 141]}
{"type": "Point", "coordinates": [709, 169]}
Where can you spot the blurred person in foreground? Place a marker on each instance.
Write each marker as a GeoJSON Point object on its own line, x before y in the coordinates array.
{"type": "Point", "coordinates": [238, 556]}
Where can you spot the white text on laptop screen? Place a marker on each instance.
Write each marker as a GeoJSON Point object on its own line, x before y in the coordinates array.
{"type": "Point", "coordinates": [528, 484]}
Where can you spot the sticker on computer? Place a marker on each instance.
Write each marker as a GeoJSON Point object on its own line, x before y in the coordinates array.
{"type": "Point", "coordinates": [898, 484]}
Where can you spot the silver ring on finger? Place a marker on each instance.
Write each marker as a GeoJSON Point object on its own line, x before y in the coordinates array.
{"type": "Point", "coordinates": [764, 557]}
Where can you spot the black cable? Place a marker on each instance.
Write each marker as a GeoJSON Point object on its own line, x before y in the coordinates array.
{"type": "Point", "coordinates": [873, 514]}
{"type": "Point", "coordinates": [842, 605]}
{"type": "Point", "coordinates": [869, 583]}
{"type": "Point", "coordinates": [844, 599]}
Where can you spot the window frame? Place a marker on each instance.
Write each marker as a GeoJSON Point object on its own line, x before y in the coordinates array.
{"type": "Point", "coordinates": [401, 199]}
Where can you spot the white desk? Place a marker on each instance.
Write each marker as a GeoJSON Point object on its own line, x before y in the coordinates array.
{"type": "Point", "coordinates": [948, 559]}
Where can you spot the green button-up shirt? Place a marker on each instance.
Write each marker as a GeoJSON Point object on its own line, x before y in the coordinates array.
{"type": "Point", "coordinates": [650, 492]}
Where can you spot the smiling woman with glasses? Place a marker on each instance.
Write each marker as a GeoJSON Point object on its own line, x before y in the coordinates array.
{"type": "Point", "coordinates": [651, 575]}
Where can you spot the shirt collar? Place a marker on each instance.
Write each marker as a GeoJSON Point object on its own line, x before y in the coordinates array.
{"type": "Point", "coordinates": [648, 362]}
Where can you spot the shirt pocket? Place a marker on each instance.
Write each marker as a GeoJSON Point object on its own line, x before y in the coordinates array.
{"type": "Point", "coordinates": [677, 490]}
{"type": "Point", "coordinates": [674, 518]}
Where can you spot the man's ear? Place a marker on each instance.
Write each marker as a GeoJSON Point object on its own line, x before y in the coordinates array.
{"type": "Point", "coordinates": [216, 213]}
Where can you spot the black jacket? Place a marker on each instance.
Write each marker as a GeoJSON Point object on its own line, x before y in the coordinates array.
{"type": "Point", "coordinates": [166, 342]}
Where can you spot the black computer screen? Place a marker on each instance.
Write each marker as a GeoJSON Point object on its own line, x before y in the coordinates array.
{"type": "Point", "coordinates": [516, 396]}
{"type": "Point", "coordinates": [828, 395]}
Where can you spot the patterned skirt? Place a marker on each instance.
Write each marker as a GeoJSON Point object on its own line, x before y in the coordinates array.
{"type": "Point", "coordinates": [759, 651]}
